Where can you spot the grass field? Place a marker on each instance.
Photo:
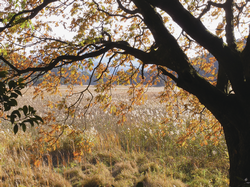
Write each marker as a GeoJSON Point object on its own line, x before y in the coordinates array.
{"type": "Point", "coordinates": [96, 151]}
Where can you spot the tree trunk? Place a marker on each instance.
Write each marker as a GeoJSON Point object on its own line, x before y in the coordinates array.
{"type": "Point", "coordinates": [238, 144]}
{"type": "Point", "coordinates": [232, 113]}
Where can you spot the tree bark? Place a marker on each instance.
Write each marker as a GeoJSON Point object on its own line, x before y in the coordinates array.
{"type": "Point", "coordinates": [238, 144]}
{"type": "Point", "coordinates": [232, 140]}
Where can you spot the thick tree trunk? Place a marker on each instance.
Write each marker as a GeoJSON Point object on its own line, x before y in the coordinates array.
{"type": "Point", "coordinates": [232, 140]}
{"type": "Point", "coordinates": [232, 113]}
{"type": "Point", "coordinates": [238, 143]}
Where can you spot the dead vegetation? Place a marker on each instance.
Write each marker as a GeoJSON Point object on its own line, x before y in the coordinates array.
{"type": "Point", "coordinates": [142, 152]}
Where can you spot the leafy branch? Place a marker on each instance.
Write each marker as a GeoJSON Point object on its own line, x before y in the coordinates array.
{"type": "Point", "coordinates": [9, 92]}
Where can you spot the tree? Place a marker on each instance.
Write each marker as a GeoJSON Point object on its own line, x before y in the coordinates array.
{"type": "Point", "coordinates": [121, 31]}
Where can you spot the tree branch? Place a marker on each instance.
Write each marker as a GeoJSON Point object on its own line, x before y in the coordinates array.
{"type": "Point", "coordinates": [145, 57]}
{"type": "Point", "coordinates": [246, 58]}
{"type": "Point", "coordinates": [191, 25]}
{"type": "Point", "coordinates": [205, 10]}
{"type": "Point", "coordinates": [230, 25]}
{"type": "Point", "coordinates": [125, 9]}
{"type": "Point", "coordinates": [247, 47]}
{"type": "Point", "coordinates": [222, 80]}
{"type": "Point", "coordinates": [108, 13]}
{"type": "Point", "coordinates": [168, 53]}
{"type": "Point", "coordinates": [231, 62]}
{"type": "Point", "coordinates": [32, 12]}
{"type": "Point", "coordinates": [164, 72]}
{"type": "Point", "coordinates": [9, 64]}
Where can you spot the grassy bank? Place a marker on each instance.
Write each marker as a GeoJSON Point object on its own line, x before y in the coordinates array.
{"type": "Point", "coordinates": [142, 151]}
{"type": "Point", "coordinates": [111, 159]}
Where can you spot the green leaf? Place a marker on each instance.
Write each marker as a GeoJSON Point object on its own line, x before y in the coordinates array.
{"type": "Point", "coordinates": [18, 92]}
{"type": "Point", "coordinates": [31, 121]}
{"type": "Point", "coordinates": [13, 95]}
{"type": "Point", "coordinates": [25, 110]}
{"type": "Point", "coordinates": [23, 127]}
{"type": "Point", "coordinates": [38, 118]}
{"type": "Point", "coordinates": [15, 128]}
{"type": "Point", "coordinates": [16, 112]}
{"type": "Point", "coordinates": [12, 118]}
{"type": "Point", "coordinates": [20, 80]}
{"type": "Point", "coordinates": [31, 109]}
{"type": "Point", "coordinates": [32, 27]}
{"type": "Point", "coordinates": [5, 20]}
{"type": "Point", "coordinates": [5, 98]}
{"type": "Point", "coordinates": [6, 107]}
{"type": "Point", "coordinates": [12, 84]}
{"type": "Point", "coordinates": [21, 83]}
{"type": "Point", "coordinates": [13, 102]}
{"type": "Point", "coordinates": [2, 85]}
{"type": "Point", "coordinates": [23, 4]}
{"type": "Point", "coordinates": [3, 74]}
{"type": "Point", "coordinates": [23, 24]}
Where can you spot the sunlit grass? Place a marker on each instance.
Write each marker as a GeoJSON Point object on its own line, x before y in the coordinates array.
{"type": "Point", "coordinates": [142, 151]}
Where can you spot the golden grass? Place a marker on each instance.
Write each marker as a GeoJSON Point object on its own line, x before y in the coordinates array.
{"type": "Point", "coordinates": [140, 153]}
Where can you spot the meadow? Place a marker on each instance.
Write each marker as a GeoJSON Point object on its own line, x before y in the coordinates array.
{"type": "Point", "coordinates": [94, 150]}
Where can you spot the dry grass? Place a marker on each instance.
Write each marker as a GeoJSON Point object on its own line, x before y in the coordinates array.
{"type": "Point", "coordinates": [142, 152]}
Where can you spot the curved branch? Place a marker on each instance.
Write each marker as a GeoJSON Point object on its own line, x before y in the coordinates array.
{"type": "Point", "coordinates": [230, 25]}
{"type": "Point", "coordinates": [125, 9]}
{"type": "Point", "coordinates": [229, 60]}
{"type": "Point", "coordinates": [146, 57]}
{"type": "Point", "coordinates": [106, 66]}
{"type": "Point", "coordinates": [9, 64]}
{"type": "Point", "coordinates": [218, 5]}
{"type": "Point", "coordinates": [191, 25]}
{"type": "Point", "coordinates": [209, 6]}
{"type": "Point", "coordinates": [164, 72]}
{"type": "Point", "coordinates": [168, 48]}
{"type": "Point", "coordinates": [222, 80]}
{"type": "Point", "coordinates": [110, 14]}
{"type": "Point", "coordinates": [32, 12]}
